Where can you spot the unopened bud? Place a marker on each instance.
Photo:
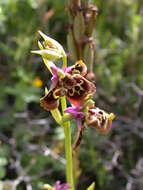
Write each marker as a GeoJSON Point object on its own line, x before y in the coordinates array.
{"type": "Point", "coordinates": [72, 46]}
{"type": "Point", "coordinates": [90, 76]}
{"type": "Point", "coordinates": [88, 55]}
{"type": "Point", "coordinates": [51, 43]}
{"type": "Point", "coordinates": [92, 20]}
{"type": "Point", "coordinates": [47, 187]}
{"type": "Point", "coordinates": [48, 54]}
{"type": "Point", "coordinates": [79, 26]}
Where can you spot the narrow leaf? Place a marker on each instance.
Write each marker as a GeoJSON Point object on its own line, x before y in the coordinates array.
{"type": "Point", "coordinates": [92, 186]}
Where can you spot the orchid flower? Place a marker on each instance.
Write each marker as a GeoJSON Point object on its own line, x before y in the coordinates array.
{"type": "Point", "coordinates": [69, 81]}
{"type": "Point", "coordinates": [91, 116]}
{"type": "Point", "coordinates": [95, 117]}
{"type": "Point", "coordinates": [60, 186]}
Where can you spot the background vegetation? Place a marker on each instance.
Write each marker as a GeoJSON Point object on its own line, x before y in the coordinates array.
{"type": "Point", "coordinates": [31, 145]}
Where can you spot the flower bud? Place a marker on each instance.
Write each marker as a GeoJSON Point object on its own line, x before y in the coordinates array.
{"type": "Point", "coordinates": [72, 46]}
{"type": "Point", "coordinates": [78, 26]}
{"type": "Point", "coordinates": [59, 186]}
{"type": "Point", "coordinates": [88, 55]}
{"type": "Point", "coordinates": [48, 63]}
{"type": "Point", "coordinates": [50, 43]}
{"type": "Point", "coordinates": [47, 187]}
{"type": "Point", "coordinates": [48, 54]}
{"type": "Point", "coordinates": [92, 20]}
{"type": "Point", "coordinates": [90, 76]}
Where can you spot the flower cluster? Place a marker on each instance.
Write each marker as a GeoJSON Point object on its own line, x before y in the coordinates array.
{"type": "Point", "coordinates": [72, 82]}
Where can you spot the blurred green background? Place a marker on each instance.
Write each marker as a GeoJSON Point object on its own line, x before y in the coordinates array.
{"type": "Point", "coordinates": [31, 144]}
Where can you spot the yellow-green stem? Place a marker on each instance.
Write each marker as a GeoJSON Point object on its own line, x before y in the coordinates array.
{"type": "Point", "coordinates": [64, 60]}
{"type": "Point", "coordinates": [68, 145]}
{"type": "Point", "coordinates": [68, 148]}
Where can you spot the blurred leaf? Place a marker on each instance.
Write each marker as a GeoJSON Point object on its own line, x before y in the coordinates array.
{"type": "Point", "coordinates": [92, 186]}
{"type": "Point", "coordinates": [3, 161]}
{"type": "Point", "coordinates": [2, 172]}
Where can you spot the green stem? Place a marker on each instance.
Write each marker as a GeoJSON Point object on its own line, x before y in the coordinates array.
{"type": "Point", "coordinates": [68, 145]}
{"type": "Point", "coordinates": [64, 60]}
{"type": "Point", "coordinates": [68, 148]}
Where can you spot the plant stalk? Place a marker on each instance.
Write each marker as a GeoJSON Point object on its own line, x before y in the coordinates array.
{"type": "Point", "coordinates": [68, 145]}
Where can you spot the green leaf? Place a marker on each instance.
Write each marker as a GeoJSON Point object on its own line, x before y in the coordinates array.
{"type": "Point", "coordinates": [56, 115]}
{"type": "Point", "coordinates": [91, 187]}
{"type": "Point", "coordinates": [2, 172]}
{"type": "Point", "coordinates": [3, 161]}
